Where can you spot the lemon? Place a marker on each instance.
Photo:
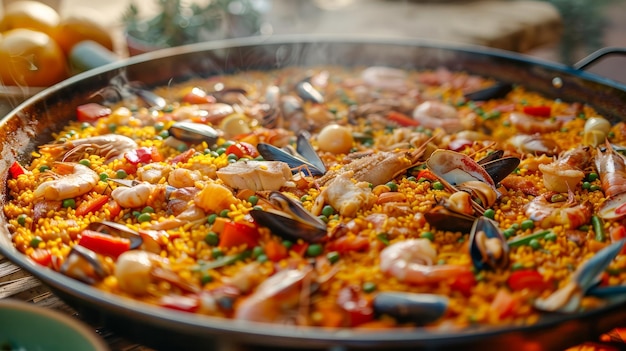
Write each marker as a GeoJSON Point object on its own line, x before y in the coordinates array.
{"type": "Point", "coordinates": [81, 26]}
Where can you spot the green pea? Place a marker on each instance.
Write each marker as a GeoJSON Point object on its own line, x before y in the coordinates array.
{"type": "Point", "coordinates": [44, 168]}
{"type": "Point", "coordinates": [158, 126]}
{"type": "Point", "coordinates": [224, 213]}
{"type": "Point", "coordinates": [253, 200]}
{"type": "Point", "coordinates": [69, 203]}
{"type": "Point", "coordinates": [216, 252]}
{"type": "Point", "coordinates": [594, 187]}
{"type": "Point", "coordinates": [206, 278]}
{"type": "Point", "coordinates": [323, 218]}
{"type": "Point", "coordinates": [85, 162]}
{"type": "Point", "coordinates": [438, 185]}
{"type": "Point", "coordinates": [392, 186]}
{"type": "Point", "coordinates": [220, 150]}
{"type": "Point", "coordinates": [490, 213]}
{"type": "Point", "coordinates": [558, 198]}
{"type": "Point", "coordinates": [211, 218]}
{"type": "Point", "coordinates": [411, 179]}
{"type": "Point", "coordinates": [112, 127]}
{"type": "Point", "coordinates": [586, 185]}
{"type": "Point", "coordinates": [517, 266]}
{"type": "Point", "coordinates": [528, 224]}
{"type": "Point", "coordinates": [314, 250]}
{"type": "Point", "coordinates": [147, 209]}
{"type": "Point", "coordinates": [103, 176]}
{"type": "Point", "coordinates": [592, 176]}
{"type": "Point", "coordinates": [304, 198]}
{"type": "Point", "coordinates": [509, 232]}
{"type": "Point", "coordinates": [182, 147]}
{"type": "Point", "coordinates": [369, 287]}
{"type": "Point", "coordinates": [257, 251]}
{"type": "Point", "coordinates": [34, 242]}
{"type": "Point", "coordinates": [144, 217]}
{"type": "Point", "coordinates": [328, 211]}
{"type": "Point", "coordinates": [84, 125]}
{"type": "Point", "coordinates": [211, 238]}
{"type": "Point", "coordinates": [232, 157]}
{"type": "Point", "coordinates": [333, 256]}
{"type": "Point", "coordinates": [164, 134]}
{"type": "Point", "coordinates": [21, 219]}
{"type": "Point", "coordinates": [534, 243]}
{"type": "Point", "coordinates": [550, 236]}
{"type": "Point", "coordinates": [121, 174]}
{"type": "Point", "coordinates": [136, 214]}
{"type": "Point", "coordinates": [227, 143]}
{"type": "Point", "coordinates": [262, 258]}
{"type": "Point", "coordinates": [288, 244]}
{"type": "Point", "coordinates": [428, 235]}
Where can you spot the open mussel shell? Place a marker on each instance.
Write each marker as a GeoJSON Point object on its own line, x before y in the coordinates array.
{"type": "Point", "coordinates": [444, 219]}
{"type": "Point", "coordinates": [119, 230]}
{"type": "Point", "coordinates": [83, 264]}
{"type": "Point", "coordinates": [496, 91]}
{"type": "Point", "coordinates": [194, 132]}
{"type": "Point", "coordinates": [303, 159]}
{"type": "Point", "coordinates": [500, 168]}
{"type": "Point", "coordinates": [290, 220]}
{"type": "Point", "coordinates": [410, 307]}
{"type": "Point", "coordinates": [307, 92]}
{"type": "Point", "coordinates": [487, 245]}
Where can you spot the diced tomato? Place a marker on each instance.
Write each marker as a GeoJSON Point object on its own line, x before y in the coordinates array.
{"type": "Point", "coordinates": [42, 257]}
{"type": "Point", "coordinates": [618, 233]}
{"type": "Point", "coordinates": [464, 283]}
{"type": "Point", "coordinates": [242, 149]}
{"type": "Point", "coordinates": [16, 170]}
{"type": "Point", "coordinates": [300, 248]}
{"type": "Point", "coordinates": [92, 205]}
{"type": "Point", "coordinates": [183, 157]}
{"type": "Point", "coordinates": [143, 155]}
{"type": "Point", "coordinates": [349, 243]}
{"type": "Point", "coordinates": [539, 111]}
{"type": "Point", "coordinates": [104, 244]}
{"type": "Point", "coordinates": [180, 303]}
{"type": "Point", "coordinates": [91, 112]}
{"type": "Point", "coordinates": [503, 304]}
{"type": "Point", "coordinates": [236, 234]}
{"type": "Point", "coordinates": [198, 96]}
{"type": "Point", "coordinates": [114, 208]}
{"type": "Point", "coordinates": [356, 305]}
{"type": "Point", "coordinates": [275, 251]}
{"type": "Point", "coordinates": [129, 168]}
{"type": "Point", "coordinates": [402, 119]}
{"type": "Point", "coordinates": [526, 279]}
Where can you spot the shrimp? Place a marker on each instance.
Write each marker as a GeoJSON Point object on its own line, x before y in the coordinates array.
{"type": "Point", "coordinates": [109, 146]}
{"type": "Point", "coordinates": [277, 299]}
{"type": "Point", "coordinates": [413, 261]}
{"type": "Point", "coordinates": [434, 114]}
{"type": "Point", "coordinates": [71, 180]}
{"type": "Point", "coordinates": [134, 196]}
{"type": "Point", "coordinates": [566, 172]}
{"type": "Point", "coordinates": [567, 213]}
{"type": "Point", "coordinates": [530, 125]}
{"type": "Point", "coordinates": [182, 177]}
{"type": "Point", "coordinates": [346, 196]}
{"type": "Point", "coordinates": [611, 167]}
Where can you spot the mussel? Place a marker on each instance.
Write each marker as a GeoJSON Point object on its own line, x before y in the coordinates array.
{"type": "Point", "coordinates": [306, 91]}
{"type": "Point", "coordinates": [500, 168]}
{"type": "Point", "coordinates": [302, 159]}
{"type": "Point", "coordinates": [119, 230]}
{"type": "Point", "coordinates": [568, 298]}
{"type": "Point", "coordinates": [443, 218]}
{"type": "Point", "coordinates": [496, 91]}
{"type": "Point", "coordinates": [194, 132]}
{"type": "Point", "coordinates": [487, 245]}
{"type": "Point", "coordinates": [289, 219]}
{"type": "Point", "coordinates": [83, 264]}
{"type": "Point", "coordinates": [411, 307]}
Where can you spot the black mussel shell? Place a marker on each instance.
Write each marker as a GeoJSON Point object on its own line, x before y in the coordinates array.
{"type": "Point", "coordinates": [194, 132]}
{"type": "Point", "coordinates": [410, 307]}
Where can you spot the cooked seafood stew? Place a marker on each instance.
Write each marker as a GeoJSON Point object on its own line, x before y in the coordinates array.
{"type": "Point", "coordinates": [366, 197]}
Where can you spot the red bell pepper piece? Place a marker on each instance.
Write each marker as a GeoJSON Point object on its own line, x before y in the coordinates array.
{"type": "Point", "coordinates": [526, 279]}
{"type": "Point", "coordinates": [92, 205]}
{"type": "Point", "coordinates": [275, 251]}
{"type": "Point", "coordinates": [42, 257]}
{"type": "Point", "coordinates": [358, 308]}
{"type": "Point", "coordinates": [503, 303]}
{"type": "Point", "coordinates": [104, 244]}
{"type": "Point", "coordinates": [464, 283]}
{"type": "Point", "coordinates": [143, 155]}
{"type": "Point", "coordinates": [300, 248]}
{"type": "Point", "coordinates": [539, 111]}
{"type": "Point", "coordinates": [349, 243]}
{"type": "Point", "coordinates": [236, 234]}
{"type": "Point", "coordinates": [242, 149]}
{"type": "Point", "coordinates": [402, 119]}
{"type": "Point", "coordinates": [91, 112]}
{"type": "Point", "coordinates": [618, 233]}
{"type": "Point", "coordinates": [16, 169]}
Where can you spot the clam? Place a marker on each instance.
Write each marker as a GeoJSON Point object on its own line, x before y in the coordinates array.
{"type": "Point", "coordinates": [487, 245]}
{"type": "Point", "coordinates": [496, 91]}
{"type": "Point", "coordinates": [289, 219]}
{"type": "Point", "coordinates": [411, 307]}
{"type": "Point", "coordinates": [194, 132]}
{"type": "Point", "coordinates": [568, 297]}
{"type": "Point", "coordinates": [303, 158]}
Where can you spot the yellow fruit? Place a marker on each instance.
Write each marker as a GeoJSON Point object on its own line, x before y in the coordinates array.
{"type": "Point", "coordinates": [31, 58]}
{"type": "Point", "coordinates": [81, 26]}
{"type": "Point", "coordinates": [30, 14]}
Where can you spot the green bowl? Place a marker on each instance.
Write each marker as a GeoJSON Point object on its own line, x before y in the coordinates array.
{"type": "Point", "coordinates": [25, 326]}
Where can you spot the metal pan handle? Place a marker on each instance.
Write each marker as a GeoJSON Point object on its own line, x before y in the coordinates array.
{"type": "Point", "coordinates": [607, 62]}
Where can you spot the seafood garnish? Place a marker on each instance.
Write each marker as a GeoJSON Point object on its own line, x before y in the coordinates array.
{"type": "Point", "coordinates": [72, 179]}
{"type": "Point", "coordinates": [496, 91]}
{"type": "Point", "coordinates": [611, 167]}
{"type": "Point", "coordinates": [568, 297]}
{"type": "Point", "coordinates": [567, 171]}
{"type": "Point", "coordinates": [255, 175]}
{"type": "Point", "coordinates": [117, 229]}
{"type": "Point", "coordinates": [109, 146]}
{"type": "Point", "coordinates": [441, 217]}
{"type": "Point", "coordinates": [547, 211]}
{"type": "Point", "coordinates": [534, 144]}
{"type": "Point", "coordinates": [84, 265]}
{"type": "Point", "coordinates": [487, 245]}
{"type": "Point", "coordinates": [307, 92]}
{"type": "Point", "coordinates": [296, 159]}
{"type": "Point", "coordinates": [346, 196]}
{"type": "Point", "coordinates": [289, 219]}
{"type": "Point", "coordinates": [194, 132]}
{"type": "Point", "coordinates": [500, 168]}
{"type": "Point", "coordinates": [411, 307]}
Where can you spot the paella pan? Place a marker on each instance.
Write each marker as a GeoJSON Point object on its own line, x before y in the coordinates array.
{"type": "Point", "coordinates": [436, 196]}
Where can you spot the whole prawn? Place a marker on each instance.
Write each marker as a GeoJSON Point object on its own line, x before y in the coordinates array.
{"type": "Point", "coordinates": [549, 214]}
{"type": "Point", "coordinates": [611, 167]}
{"type": "Point", "coordinates": [69, 180]}
{"type": "Point", "coordinates": [109, 146]}
{"type": "Point", "coordinates": [413, 261]}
